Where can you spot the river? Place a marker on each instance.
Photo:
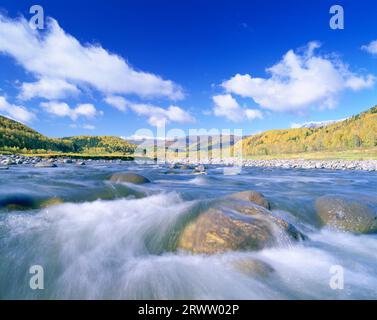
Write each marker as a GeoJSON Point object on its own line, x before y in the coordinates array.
{"type": "Point", "coordinates": [112, 241]}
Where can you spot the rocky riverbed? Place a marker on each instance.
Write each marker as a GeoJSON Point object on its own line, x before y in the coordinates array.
{"type": "Point", "coordinates": [365, 165]}
{"type": "Point", "coordinates": [11, 160]}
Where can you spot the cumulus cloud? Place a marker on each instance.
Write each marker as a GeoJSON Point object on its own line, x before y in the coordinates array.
{"type": "Point", "coordinates": [226, 106]}
{"type": "Point", "coordinates": [158, 116]}
{"type": "Point", "coordinates": [15, 112]}
{"type": "Point", "coordinates": [371, 47]}
{"type": "Point", "coordinates": [117, 101]}
{"type": "Point", "coordinates": [299, 80]}
{"type": "Point", "coordinates": [47, 88]}
{"type": "Point", "coordinates": [62, 109]}
{"type": "Point", "coordinates": [56, 55]}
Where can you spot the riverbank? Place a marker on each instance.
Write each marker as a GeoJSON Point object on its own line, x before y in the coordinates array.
{"type": "Point", "coordinates": [365, 165]}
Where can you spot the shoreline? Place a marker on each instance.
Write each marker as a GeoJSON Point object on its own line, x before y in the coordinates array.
{"type": "Point", "coordinates": [363, 165]}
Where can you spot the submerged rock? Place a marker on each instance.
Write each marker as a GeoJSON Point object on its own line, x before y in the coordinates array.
{"type": "Point", "coordinates": [51, 202]}
{"type": "Point", "coordinates": [346, 215]}
{"type": "Point", "coordinates": [252, 196]}
{"type": "Point", "coordinates": [129, 177]}
{"type": "Point", "coordinates": [253, 266]}
{"type": "Point", "coordinates": [18, 202]}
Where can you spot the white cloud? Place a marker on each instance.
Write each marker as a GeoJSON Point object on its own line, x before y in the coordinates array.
{"type": "Point", "coordinates": [62, 109]}
{"type": "Point", "coordinates": [158, 116]}
{"type": "Point", "coordinates": [226, 106]}
{"type": "Point", "coordinates": [371, 47]}
{"type": "Point", "coordinates": [88, 127]}
{"type": "Point", "coordinates": [252, 114]}
{"type": "Point", "coordinates": [47, 88]}
{"type": "Point", "coordinates": [15, 112]}
{"type": "Point", "coordinates": [117, 101]}
{"type": "Point", "coordinates": [54, 54]}
{"type": "Point", "coordinates": [299, 81]}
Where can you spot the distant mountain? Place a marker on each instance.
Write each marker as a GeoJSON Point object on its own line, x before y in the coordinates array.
{"type": "Point", "coordinates": [359, 131]}
{"type": "Point", "coordinates": [315, 124]}
{"type": "Point", "coordinates": [356, 132]}
{"type": "Point", "coordinates": [17, 137]}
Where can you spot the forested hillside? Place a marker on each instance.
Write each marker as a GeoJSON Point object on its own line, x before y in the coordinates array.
{"type": "Point", "coordinates": [356, 132]}
{"type": "Point", "coordinates": [16, 137]}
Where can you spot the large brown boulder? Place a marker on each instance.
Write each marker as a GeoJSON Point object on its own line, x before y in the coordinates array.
{"type": "Point", "coordinates": [251, 196]}
{"type": "Point", "coordinates": [233, 226]}
{"type": "Point", "coordinates": [346, 215]}
{"type": "Point", "coordinates": [217, 231]}
{"type": "Point", "coordinates": [129, 177]}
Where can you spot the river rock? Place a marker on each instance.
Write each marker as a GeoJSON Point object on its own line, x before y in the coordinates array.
{"type": "Point", "coordinates": [236, 225]}
{"type": "Point", "coordinates": [252, 266]}
{"type": "Point", "coordinates": [200, 169]}
{"type": "Point", "coordinates": [346, 215]}
{"type": "Point", "coordinates": [45, 165]}
{"type": "Point", "coordinates": [216, 231]}
{"type": "Point", "coordinates": [51, 202]}
{"type": "Point", "coordinates": [18, 202]}
{"type": "Point", "coordinates": [252, 196]}
{"type": "Point", "coordinates": [129, 177]}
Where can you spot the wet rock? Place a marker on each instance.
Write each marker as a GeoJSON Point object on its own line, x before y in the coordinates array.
{"type": "Point", "coordinates": [129, 177]}
{"type": "Point", "coordinates": [45, 165]}
{"type": "Point", "coordinates": [50, 202]}
{"type": "Point", "coordinates": [18, 202]}
{"type": "Point", "coordinates": [216, 231]}
{"type": "Point", "coordinates": [346, 215]}
{"type": "Point", "coordinates": [184, 167]}
{"type": "Point", "coordinates": [252, 266]}
{"type": "Point", "coordinates": [252, 196]}
{"type": "Point", "coordinates": [200, 168]}
{"type": "Point", "coordinates": [260, 212]}
{"type": "Point", "coordinates": [235, 225]}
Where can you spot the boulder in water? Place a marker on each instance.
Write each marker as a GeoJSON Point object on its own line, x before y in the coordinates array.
{"type": "Point", "coordinates": [18, 202]}
{"type": "Point", "coordinates": [45, 164]}
{"type": "Point", "coordinates": [216, 231]}
{"type": "Point", "coordinates": [129, 177]}
{"type": "Point", "coordinates": [346, 215]}
{"type": "Point", "coordinates": [252, 196]}
{"type": "Point", "coordinates": [252, 266]}
{"type": "Point", "coordinates": [235, 225]}
{"type": "Point", "coordinates": [51, 202]}
{"type": "Point", "coordinates": [200, 169]}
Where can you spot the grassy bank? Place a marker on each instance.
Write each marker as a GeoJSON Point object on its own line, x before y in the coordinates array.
{"type": "Point", "coordinates": [357, 154]}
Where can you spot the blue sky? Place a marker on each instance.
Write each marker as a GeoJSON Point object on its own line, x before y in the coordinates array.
{"type": "Point", "coordinates": [113, 67]}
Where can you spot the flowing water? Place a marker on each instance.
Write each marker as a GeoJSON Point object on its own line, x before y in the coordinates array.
{"type": "Point", "coordinates": [110, 240]}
